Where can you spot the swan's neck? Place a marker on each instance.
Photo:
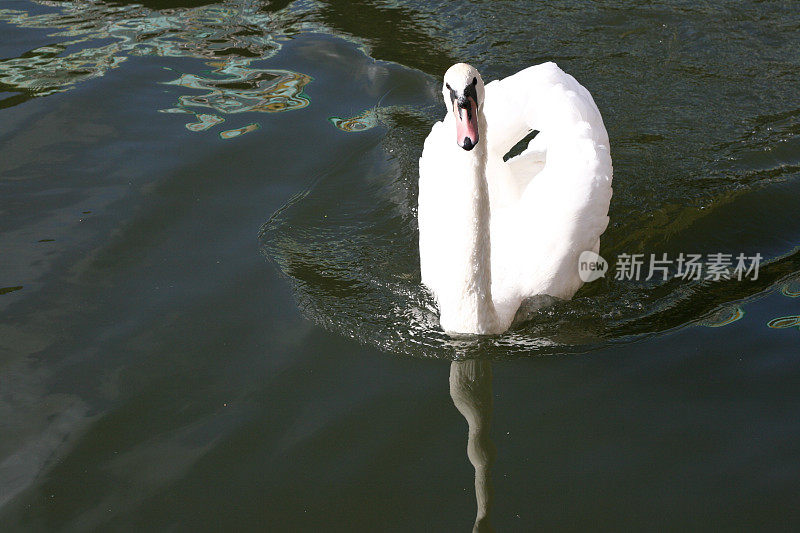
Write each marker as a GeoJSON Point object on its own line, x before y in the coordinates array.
{"type": "Point", "coordinates": [473, 310]}
{"type": "Point", "coordinates": [479, 274]}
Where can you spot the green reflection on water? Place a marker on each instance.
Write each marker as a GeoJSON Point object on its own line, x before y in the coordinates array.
{"type": "Point", "coordinates": [362, 122]}
{"type": "Point", "coordinates": [228, 37]}
{"type": "Point", "coordinates": [237, 132]}
{"type": "Point", "coordinates": [791, 289]}
{"type": "Point", "coordinates": [724, 317]}
{"type": "Point", "coordinates": [784, 322]}
{"type": "Point", "coordinates": [204, 122]}
{"type": "Point", "coordinates": [238, 88]}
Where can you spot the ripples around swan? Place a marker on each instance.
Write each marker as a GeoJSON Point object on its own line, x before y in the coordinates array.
{"type": "Point", "coordinates": [348, 245]}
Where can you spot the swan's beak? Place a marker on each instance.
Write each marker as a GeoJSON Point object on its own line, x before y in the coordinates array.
{"type": "Point", "coordinates": [466, 113]}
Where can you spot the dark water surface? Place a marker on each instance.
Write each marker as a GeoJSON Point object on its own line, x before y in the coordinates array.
{"type": "Point", "coordinates": [210, 311]}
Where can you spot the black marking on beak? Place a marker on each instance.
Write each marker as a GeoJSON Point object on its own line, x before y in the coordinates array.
{"type": "Point", "coordinates": [467, 99]}
{"type": "Point", "coordinates": [471, 90]}
{"type": "Point", "coordinates": [464, 103]}
{"type": "Point", "coordinates": [453, 95]}
{"type": "Point", "coordinates": [468, 144]}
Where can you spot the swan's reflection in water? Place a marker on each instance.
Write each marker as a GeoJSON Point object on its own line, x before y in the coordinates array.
{"type": "Point", "coordinates": [471, 390]}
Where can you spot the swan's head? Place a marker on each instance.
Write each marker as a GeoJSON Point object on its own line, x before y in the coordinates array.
{"type": "Point", "coordinates": [463, 95]}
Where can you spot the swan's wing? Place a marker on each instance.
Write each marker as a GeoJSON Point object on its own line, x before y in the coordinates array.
{"type": "Point", "coordinates": [533, 99]}
{"type": "Point", "coordinates": [562, 180]}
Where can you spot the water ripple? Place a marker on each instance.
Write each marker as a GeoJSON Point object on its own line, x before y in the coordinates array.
{"type": "Point", "coordinates": [354, 267]}
{"type": "Point", "coordinates": [227, 37]}
{"type": "Point", "coordinates": [238, 88]}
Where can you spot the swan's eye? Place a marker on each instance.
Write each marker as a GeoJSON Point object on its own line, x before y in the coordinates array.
{"type": "Point", "coordinates": [448, 86]}
{"type": "Point", "coordinates": [474, 81]}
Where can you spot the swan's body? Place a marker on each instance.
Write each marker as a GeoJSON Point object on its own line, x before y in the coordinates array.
{"type": "Point", "coordinates": [495, 233]}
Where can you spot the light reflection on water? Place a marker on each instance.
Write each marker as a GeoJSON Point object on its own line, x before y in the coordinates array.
{"type": "Point", "coordinates": [791, 288]}
{"type": "Point", "coordinates": [227, 37]}
{"type": "Point", "coordinates": [784, 322]}
{"type": "Point", "coordinates": [204, 32]}
{"type": "Point", "coordinates": [724, 317]}
{"type": "Point", "coordinates": [239, 88]}
{"type": "Point", "coordinates": [361, 122]}
{"type": "Point", "coordinates": [232, 134]}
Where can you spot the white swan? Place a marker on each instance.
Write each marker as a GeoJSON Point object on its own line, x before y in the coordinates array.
{"type": "Point", "coordinates": [493, 233]}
